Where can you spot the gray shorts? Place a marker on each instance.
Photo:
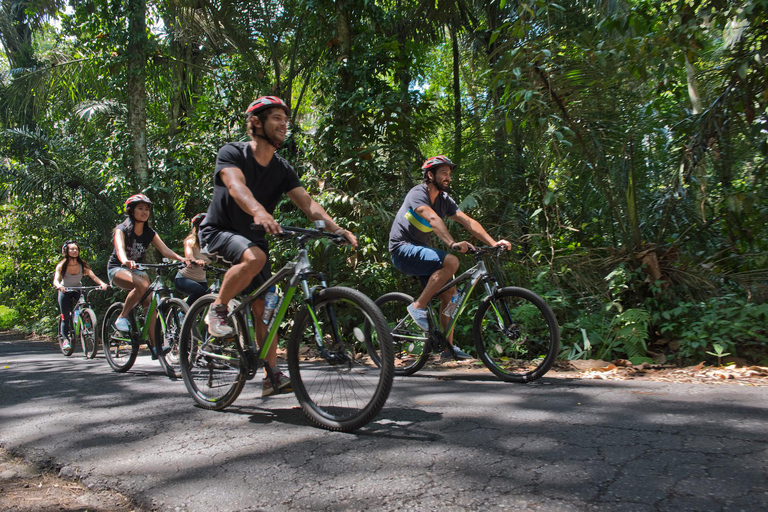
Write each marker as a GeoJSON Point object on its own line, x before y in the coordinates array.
{"type": "Point", "coordinates": [228, 247]}
{"type": "Point", "coordinates": [114, 270]}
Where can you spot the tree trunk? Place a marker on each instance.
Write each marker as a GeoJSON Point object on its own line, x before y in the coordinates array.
{"type": "Point", "coordinates": [456, 97]}
{"type": "Point", "coordinates": [693, 86]}
{"type": "Point", "coordinates": [136, 89]}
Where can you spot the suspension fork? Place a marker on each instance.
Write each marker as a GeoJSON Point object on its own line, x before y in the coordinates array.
{"type": "Point", "coordinates": [335, 356]}
{"type": "Point", "coordinates": [503, 315]}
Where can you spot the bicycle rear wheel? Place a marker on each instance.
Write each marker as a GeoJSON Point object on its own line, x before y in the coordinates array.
{"type": "Point", "coordinates": [340, 386]}
{"type": "Point", "coordinates": [411, 343]}
{"type": "Point", "coordinates": [214, 373]}
{"type": "Point", "coordinates": [516, 335]}
{"type": "Point", "coordinates": [88, 334]}
{"type": "Point", "coordinates": [172, 312]}
{"type": "Point", "coordinates": [119, 347]}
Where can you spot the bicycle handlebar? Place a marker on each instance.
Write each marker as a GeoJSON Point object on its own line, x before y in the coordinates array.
{"type": "Point", "coordinates": [291, 232]}
{"type": "Point", "coordinates": [479, 251]}
{"type": "Point", "coordinates": [159, 266]}
{"type": "Point", "coordinates": [81, 288]}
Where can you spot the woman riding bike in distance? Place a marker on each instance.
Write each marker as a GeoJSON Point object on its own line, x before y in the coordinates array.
{"type": "Point", "coordinates": [69, 274]}
{"type": "Point", "coordinates": [131, 240]}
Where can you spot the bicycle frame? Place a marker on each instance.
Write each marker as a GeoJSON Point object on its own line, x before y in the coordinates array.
{"type": "Point", "coordinates": [479, 272]}
{"type": "Point", "coordinates": [158, 285]}
{"type": "Point", "coordinates": [295, 273]}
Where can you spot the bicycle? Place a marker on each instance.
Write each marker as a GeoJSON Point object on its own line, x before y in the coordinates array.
{"type": "Point", "coordinates": [122, 348]}
{"type": "Point", "coordinates": [331, 361]}
{"type": "Point", "coordinates": [82, 323]}
{"type": "Point", "coordinates": [515, 332]}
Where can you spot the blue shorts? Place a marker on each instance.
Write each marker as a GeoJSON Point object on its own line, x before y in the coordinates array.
{"type": "Point", "coordinates": [418, 260]}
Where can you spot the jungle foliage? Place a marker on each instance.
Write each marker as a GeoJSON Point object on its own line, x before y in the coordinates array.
{"type": "Point", "coordinates": [620, 145]}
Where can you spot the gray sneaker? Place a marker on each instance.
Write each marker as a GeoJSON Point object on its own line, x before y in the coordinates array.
{"type": "Point", "coordinates": [419, 316]}
{"type": "Point", "coordinates": [283, 385]}
{"type": "Point", "coordinates": [454, 353]}
{"type": "Point", "coordinates": [217, 321]}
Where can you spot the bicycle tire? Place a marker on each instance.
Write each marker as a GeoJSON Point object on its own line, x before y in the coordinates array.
{"type": "Point", "coordinates": [346, 393]}
{"type": "Point", "coordinates": [411, 343]}
{"type": "Point", "coordinates": [173, 311]}
{"type": "Point", "coordinates": [66, 351]}
{"type": "Point", "coordinates": [119, 348]}
{"type": "Point", "coordinates": [524, 349]}
{"type": "Point", "coordinates": [89, 338]}
{"type": "Point", "coordinates": [213, 371]}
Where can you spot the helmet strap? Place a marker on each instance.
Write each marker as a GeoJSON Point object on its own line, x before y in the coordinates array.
{"type": "Point", "coordinates": [270, 141]}
{"type": "Point", "coordinates": [262, 118]}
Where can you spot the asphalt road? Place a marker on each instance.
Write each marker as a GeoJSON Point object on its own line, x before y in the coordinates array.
{"type": "Point", "coordinates": [444, 441]}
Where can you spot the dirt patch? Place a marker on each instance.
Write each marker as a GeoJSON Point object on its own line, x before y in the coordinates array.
{"type": "Point", "coordinates": [624, 370]}
{"type": "Point", "coordinates": [26, 488]}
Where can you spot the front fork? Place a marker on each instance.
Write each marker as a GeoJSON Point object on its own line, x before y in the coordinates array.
{"type": "Point", "coordinates": [333, 356]}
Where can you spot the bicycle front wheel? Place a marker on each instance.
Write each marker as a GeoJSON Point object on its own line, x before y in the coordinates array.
{"type": "Point", "coordinates": [411, 343]}
{"type": "Point", "coordinates": [333, 362]}
{"type": "Point", "coordinates": [119, 348]}
{"type": "Point", "coordinates": [66, 351]}
{"type": "Point", "coordinates": [172, 312]}
{"type": "Point", "coordinates": [516, 335]}
{"type": "Point", "coordinates": [88, 334]}
{"type": "Point", "coordinates": [213, 370]}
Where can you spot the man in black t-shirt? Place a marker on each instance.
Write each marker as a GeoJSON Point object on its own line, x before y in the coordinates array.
{"type": "Point", "coordinates": [249, 181]}
{"type": "Point", "coordinates": [422, 213]}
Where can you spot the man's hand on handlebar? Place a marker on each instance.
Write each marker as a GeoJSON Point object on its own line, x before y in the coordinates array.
{"type": "Point", "coordinates": [462, 246]}
{"type": "Point", "coordinates": [267, 222]}
{"type": "Point", "coordinates": [352, 239]}
{"type": "Point", "coordinates": [504, 244]}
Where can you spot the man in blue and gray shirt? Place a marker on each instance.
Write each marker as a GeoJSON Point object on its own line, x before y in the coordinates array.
{"type": "Point", "coordinates": [422, 213]}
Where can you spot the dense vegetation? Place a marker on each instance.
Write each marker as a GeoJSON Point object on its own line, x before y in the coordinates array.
{"type": "Point", "coordinates": [621, 145]}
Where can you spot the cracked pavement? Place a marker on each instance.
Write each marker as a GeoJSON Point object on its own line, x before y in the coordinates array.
{"type": "Point", "coordinates": [444, 441]}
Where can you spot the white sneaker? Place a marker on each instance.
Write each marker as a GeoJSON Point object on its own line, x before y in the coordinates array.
{"type": "Point", "coordinates": [122, 324]}
{"type": "Point", "coordinates": [217, 321]}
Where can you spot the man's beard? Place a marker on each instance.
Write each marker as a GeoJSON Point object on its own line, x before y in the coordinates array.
{"type": "Point", "coordinates": [442, 188]}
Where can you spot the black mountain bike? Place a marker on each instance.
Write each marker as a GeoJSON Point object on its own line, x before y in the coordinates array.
{"type": "Point", "coordinates": [515, 332]}
{"type": "Point", "coordinates": [332, 362]}
{"type": "Point", "coordinates": [121, 348]}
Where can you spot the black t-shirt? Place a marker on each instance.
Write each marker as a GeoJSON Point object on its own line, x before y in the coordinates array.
{"type": "Point", "coordinates": [135, 246]}
{"type": "Point", "coordinates": [267, 184]}
{"type": "Point", "coordinates": [409, 227]}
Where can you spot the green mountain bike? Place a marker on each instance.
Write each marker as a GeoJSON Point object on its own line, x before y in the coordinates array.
{"type": "Point", "coordinates": [122, 348]}
{"type": "Point", "coordinates": [340, 375]}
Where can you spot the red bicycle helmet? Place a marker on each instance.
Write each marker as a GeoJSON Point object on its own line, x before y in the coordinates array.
{"type": "Point", "coordinates": [197, 219]}
{"type": "Point", "coordinates": [437, 161]}
{"type": "Point", "coordinates": [137, 198]}
{"type": "Point", "coordinates": [265, 102]}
